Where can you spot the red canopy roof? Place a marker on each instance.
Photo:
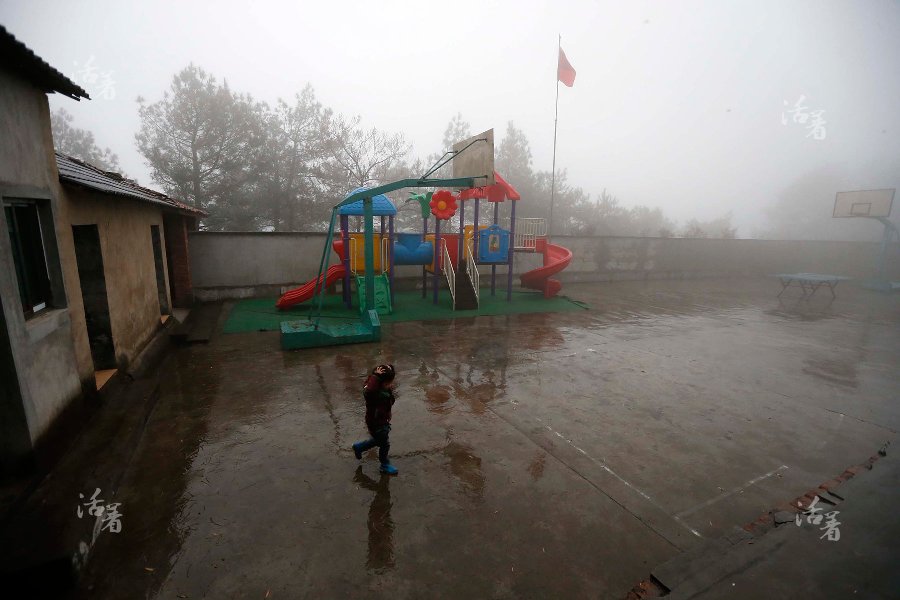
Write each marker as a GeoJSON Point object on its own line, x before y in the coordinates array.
{"type": "Point", "coordinates": [498, 192]}
{"type": "Point", "coordinates": [472, 194]}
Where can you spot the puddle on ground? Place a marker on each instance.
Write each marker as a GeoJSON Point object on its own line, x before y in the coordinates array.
{"type": "Point", "coordinates": [833, 371]}
{"type": "Point", "coordinates": [536, 467]}
{"type": "Point", "coordinates": [466, 467]}
{"type": "Point", "coordinates": [437, 399]}
{"type": "Point", "coordinates": [380, 555]}
{"type": "Point", "coordinates": [803, 310]}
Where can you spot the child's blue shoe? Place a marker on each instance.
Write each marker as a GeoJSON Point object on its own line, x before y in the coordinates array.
{"type": "Point", "coordinates": [389, 469]}
{"type": "Point", "coordinates": [356, 450]}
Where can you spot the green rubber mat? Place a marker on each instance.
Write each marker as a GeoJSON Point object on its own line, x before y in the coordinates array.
{"type": "Point", "coordinates": [260, 314]}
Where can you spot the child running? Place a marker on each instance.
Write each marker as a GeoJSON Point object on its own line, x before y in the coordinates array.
{"type": "Point", "coordinates": [379, 394]}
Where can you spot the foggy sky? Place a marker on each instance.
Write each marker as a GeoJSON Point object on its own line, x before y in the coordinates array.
{"type": "Point", "coordinates": [676, 104]}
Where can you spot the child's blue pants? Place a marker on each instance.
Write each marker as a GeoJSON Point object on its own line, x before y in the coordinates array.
{"type": "Point", "coordinates": [380, 437]}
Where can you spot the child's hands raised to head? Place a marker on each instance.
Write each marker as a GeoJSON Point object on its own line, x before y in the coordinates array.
{"type": "Point", "coordinates": [385, 374]}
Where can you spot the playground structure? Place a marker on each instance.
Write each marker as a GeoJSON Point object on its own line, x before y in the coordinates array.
{"type": "Point", "coordinates": [490, 247]}
{"type": "Point", "coordinates": [370, 258]}
{"type": "Point", "coordinates": [872, 204]}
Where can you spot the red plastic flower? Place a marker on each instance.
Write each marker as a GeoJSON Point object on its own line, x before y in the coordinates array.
{"type": "Point", "coordinates": [443, 205]}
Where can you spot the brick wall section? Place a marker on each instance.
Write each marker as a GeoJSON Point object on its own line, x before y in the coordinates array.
{"type": "Point", "coordinates": [179, 259]}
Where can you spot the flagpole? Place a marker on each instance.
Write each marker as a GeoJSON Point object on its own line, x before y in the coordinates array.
{"type": "Point", "coordinates": [555, 122]}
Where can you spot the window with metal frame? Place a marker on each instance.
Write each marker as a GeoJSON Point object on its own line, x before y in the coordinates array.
{"type": "Point", "coordinates": [23, 221]}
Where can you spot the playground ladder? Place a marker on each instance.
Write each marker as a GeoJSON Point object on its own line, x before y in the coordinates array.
{"type": "Point", "coordinates": [383, 261]}
{"type": "Point", "coordinates": [527, 233]}
{"type": "Point", "coordinates": [352, 250]}
{"type": "Point", "coordinates": [447, 268]}
{"type": "Point", "coordinates": [466, 295]}
{"type": "Point", "coordinates": [472, 270]}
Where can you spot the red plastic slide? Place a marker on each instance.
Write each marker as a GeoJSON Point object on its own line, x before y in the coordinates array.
{"type": "Point", "coordinates": [308, 290]}
{"type": "Point", "coordinates": [556, 258]}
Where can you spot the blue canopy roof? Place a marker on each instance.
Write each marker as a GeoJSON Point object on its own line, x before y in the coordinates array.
{"type": "Point", "coordinates": [381, 205]}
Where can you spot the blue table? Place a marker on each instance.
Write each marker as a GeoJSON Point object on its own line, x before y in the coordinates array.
{"type": "Point", "coordinates": [809, 282]}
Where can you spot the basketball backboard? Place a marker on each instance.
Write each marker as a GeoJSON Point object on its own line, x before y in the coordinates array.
{"type": "Point", "coordinates": [474, 157]}
{"type": "Point", "coordinates": [863, 203]}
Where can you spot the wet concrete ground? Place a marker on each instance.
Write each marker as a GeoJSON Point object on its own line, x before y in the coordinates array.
{"type": "Point", "coordinates": [860, 561]}
{"type": "Point", "coordinates": [540, 455]}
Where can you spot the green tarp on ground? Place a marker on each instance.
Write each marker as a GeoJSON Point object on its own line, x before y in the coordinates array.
{"type": "Point", "coordinates": [260, 314]}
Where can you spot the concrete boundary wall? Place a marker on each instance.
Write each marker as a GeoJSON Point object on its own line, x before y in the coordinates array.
{"type": "Point", "coordinates": [240, 265]}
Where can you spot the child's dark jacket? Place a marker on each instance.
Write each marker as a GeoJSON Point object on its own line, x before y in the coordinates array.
{"type": "Point", "coordinates": [378, 404]}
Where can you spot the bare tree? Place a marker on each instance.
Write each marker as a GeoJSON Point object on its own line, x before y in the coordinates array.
{"type": "Point", "coordinates": [365, 155]}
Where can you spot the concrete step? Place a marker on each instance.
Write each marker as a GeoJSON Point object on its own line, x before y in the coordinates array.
{"type": "Point", "coordinates": [698, 563]}
{"type": "Point", "coordinates": [200, 325]}
{"type": "Point", "coordinates": [794, 561]}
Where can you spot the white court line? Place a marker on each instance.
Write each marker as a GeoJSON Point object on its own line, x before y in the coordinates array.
{"type": "Point", "coordinates": [724, 495]}
{"type": "Point", "coordinates": [606, 468]}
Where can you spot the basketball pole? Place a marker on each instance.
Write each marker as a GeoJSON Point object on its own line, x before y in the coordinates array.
{"type": "Point", "coordinates": [555, 123]}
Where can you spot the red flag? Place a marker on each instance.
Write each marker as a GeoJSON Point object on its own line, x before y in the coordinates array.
{"type": "Point", "coordinates": [564, 70]}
